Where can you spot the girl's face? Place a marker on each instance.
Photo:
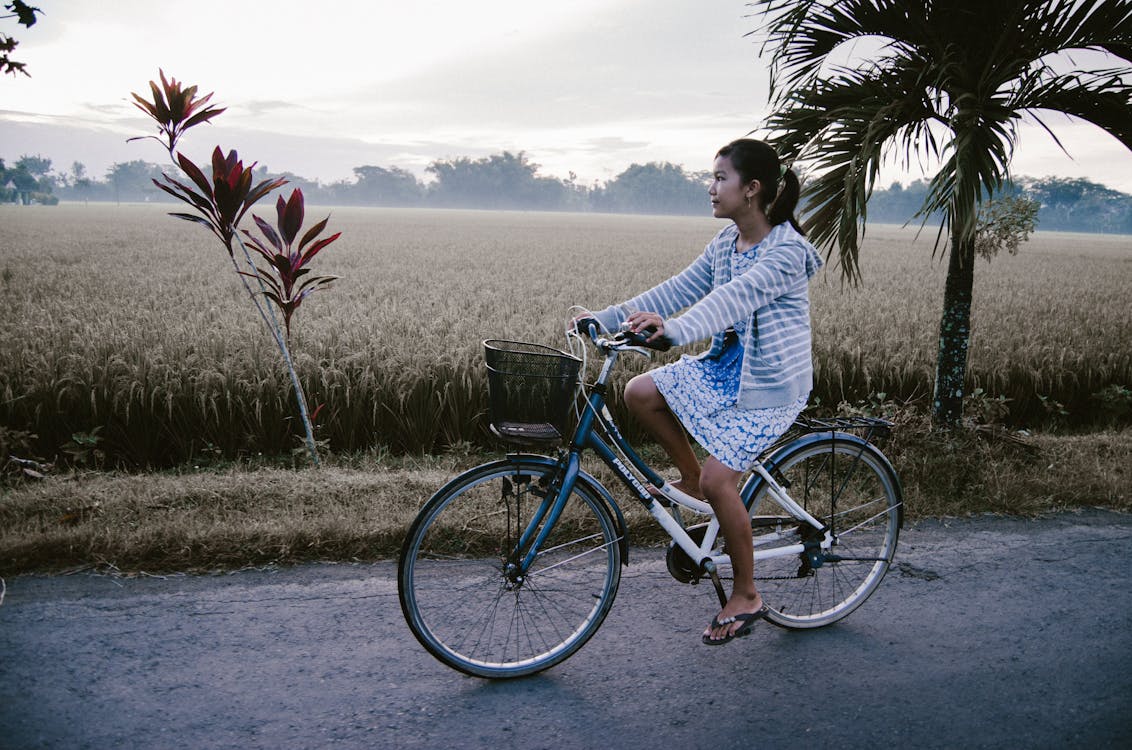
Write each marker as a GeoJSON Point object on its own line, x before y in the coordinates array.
{"type": "Point", "coordinates": [728, 192]}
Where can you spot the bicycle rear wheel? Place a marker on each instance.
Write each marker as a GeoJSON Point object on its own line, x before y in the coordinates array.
{"type": "Point", "coordinates": [459, 588]}
{"type": "Point", "coordinates": [849, 485]}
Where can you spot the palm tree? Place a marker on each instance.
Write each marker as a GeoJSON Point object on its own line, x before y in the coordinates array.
{"type": "Point", "coordinates": [942, 81]}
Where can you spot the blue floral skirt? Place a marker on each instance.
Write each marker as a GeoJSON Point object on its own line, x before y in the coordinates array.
{"type": "Point", "coordinates": [703, 394]}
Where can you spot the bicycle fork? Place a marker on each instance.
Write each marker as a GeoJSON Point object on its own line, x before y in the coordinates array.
{"type": "Point", "coordinates": [530, 539]}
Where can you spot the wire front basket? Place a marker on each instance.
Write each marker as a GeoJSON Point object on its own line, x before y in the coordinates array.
{"type": "Point", "coordinates": [530, 390]}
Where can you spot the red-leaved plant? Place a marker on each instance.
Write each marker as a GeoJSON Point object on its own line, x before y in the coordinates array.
{"type": "Point", "coordinates": [220, 204]}
{"type": "Point", "coordinates": [175, 109]}
{"type": "Point", "coordinates": [223, 201]}
{"type": "Point", "coordinates": [287, 288]}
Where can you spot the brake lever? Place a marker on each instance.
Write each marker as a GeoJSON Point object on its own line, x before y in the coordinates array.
{"type": "Point", "coordinates": [647, 354]}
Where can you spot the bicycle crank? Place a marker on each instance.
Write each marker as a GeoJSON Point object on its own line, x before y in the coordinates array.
{"type": "Point", "coordinates": [683, 568]}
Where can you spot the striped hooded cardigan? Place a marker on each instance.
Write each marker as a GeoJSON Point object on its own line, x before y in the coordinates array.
{"type": "Point", "coordinates": [772, 297]}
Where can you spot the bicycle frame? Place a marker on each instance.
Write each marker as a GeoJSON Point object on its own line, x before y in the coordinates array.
{"type": "Point", "coordinates": [597, 431]}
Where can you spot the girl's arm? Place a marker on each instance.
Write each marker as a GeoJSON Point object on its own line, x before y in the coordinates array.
{"type": "Point", "coordinates": [667, 297]}
{"type": "Point", "coordinates": [776, 273]}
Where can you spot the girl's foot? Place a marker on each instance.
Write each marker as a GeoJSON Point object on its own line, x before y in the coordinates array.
{"type": "Point", "coordinates": [734, 621]}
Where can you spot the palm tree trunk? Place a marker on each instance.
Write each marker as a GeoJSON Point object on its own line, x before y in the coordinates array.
{"type": "Point", "coordinates": [954, 334]}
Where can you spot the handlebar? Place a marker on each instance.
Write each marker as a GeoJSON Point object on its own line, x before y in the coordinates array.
{"type": "Point", "coordinates": [623, 339]}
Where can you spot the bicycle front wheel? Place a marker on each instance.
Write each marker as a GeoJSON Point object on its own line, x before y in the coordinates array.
{"type": "Point", "coordinates": [461, 590]}
{"type": "Point", "coordinates": [848, 485]}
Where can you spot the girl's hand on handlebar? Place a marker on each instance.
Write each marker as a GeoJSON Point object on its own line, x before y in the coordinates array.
{"type": "Point", "coordinates": [647, 330]}
{"type": "Point", "coordinates": [641, 322]}
{"type": "Point", "coordinates": [586, 325]}
{"type": "Point", "coordinates": [642, 329]}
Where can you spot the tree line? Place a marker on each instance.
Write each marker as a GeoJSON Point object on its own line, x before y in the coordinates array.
{"type": "Point", "coordinates": [501, 181]}
{"type": "Point", "coordinates": [511, 181]}
{"type": "Point", "coordinates": [1065, 204]}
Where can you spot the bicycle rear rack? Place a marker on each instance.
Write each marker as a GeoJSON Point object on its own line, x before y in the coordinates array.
{"type": "Point", "coordinates": [868, 428]}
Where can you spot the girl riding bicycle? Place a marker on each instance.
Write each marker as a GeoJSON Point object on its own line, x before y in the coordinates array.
{"type": "Point", "coordinates": [748, 291]}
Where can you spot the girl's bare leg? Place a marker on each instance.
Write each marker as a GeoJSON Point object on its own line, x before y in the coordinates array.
{"type": "Point", "coordinates": [648, 405]}
{"type": "Point", "coordinates": [720, 486]}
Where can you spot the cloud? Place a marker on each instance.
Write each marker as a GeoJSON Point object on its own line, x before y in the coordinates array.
{"type": "Point", "coordinates": [604, 144]}
{"type": "Point", "coordinates": [633, 64]}
{"type": "Point", "coordinates": [260, 107]}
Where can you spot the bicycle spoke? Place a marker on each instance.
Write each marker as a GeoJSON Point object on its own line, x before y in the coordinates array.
{"type": "Point", "coordinates": [595, 550]}
{"type": "Point", "coordinates": [870, 519]}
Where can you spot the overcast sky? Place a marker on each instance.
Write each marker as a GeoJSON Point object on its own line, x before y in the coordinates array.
{"type": "Point", "coordinates": [583, 86]}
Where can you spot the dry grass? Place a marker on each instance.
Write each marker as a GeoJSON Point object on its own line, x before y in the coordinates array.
{"type": "Point", "coordinates": [359, 510]}
{"type": "Point", "coordinates": [208, 520]}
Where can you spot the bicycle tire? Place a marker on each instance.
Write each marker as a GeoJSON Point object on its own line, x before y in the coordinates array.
{"type": "Point", "coordinates": [453, 582]}
{"type": "Point", "coordinates": [848, 484]}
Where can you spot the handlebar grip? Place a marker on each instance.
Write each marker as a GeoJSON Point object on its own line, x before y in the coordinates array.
{"type": "Point", "coordinates": [589, 326]}
{"type": "Point", "coordinates": [640, 338]}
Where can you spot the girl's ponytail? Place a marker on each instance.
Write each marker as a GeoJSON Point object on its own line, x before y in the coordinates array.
{"type": "Point", "coordinates": [784, 204]}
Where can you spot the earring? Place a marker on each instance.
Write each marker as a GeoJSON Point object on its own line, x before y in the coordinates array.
{"type": "Point", "coordinates": [748, 201]}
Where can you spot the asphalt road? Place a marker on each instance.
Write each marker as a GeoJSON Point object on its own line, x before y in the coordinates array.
{"type": "Point", "coordinates": [989, 633]}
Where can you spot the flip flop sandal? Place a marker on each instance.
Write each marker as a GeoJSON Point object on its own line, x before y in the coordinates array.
{"type": "Point", "coordinates": [747, 618]}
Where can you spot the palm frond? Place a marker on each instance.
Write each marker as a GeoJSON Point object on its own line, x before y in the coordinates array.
{"type": "Point", "coordinates": [1066, 25]}
{"type": "Point", "coordinates": [804, 34]}
{"type": "Point", "coordinates": [843, 128]}
{"type": "Point", "coordinates": [1102, 98]}
{"type": "Point", "coordinates": [976, 168]}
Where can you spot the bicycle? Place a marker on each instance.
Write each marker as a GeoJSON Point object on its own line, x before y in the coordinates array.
{"type": "Point", "coordinates": [512, 566]}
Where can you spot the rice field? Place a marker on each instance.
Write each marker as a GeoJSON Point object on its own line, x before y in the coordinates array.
{"type": "Point", "coordinates": [122, 319]}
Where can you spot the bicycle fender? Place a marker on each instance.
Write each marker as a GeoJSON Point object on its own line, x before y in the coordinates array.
{"type": "Point", "coordinates": [815, 437]}
{"type": "Point", "coordinates": [595, 488]}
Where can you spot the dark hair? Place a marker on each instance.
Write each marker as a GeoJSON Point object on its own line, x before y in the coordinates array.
{"type": "Point", "coordinates": [756, 160]}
